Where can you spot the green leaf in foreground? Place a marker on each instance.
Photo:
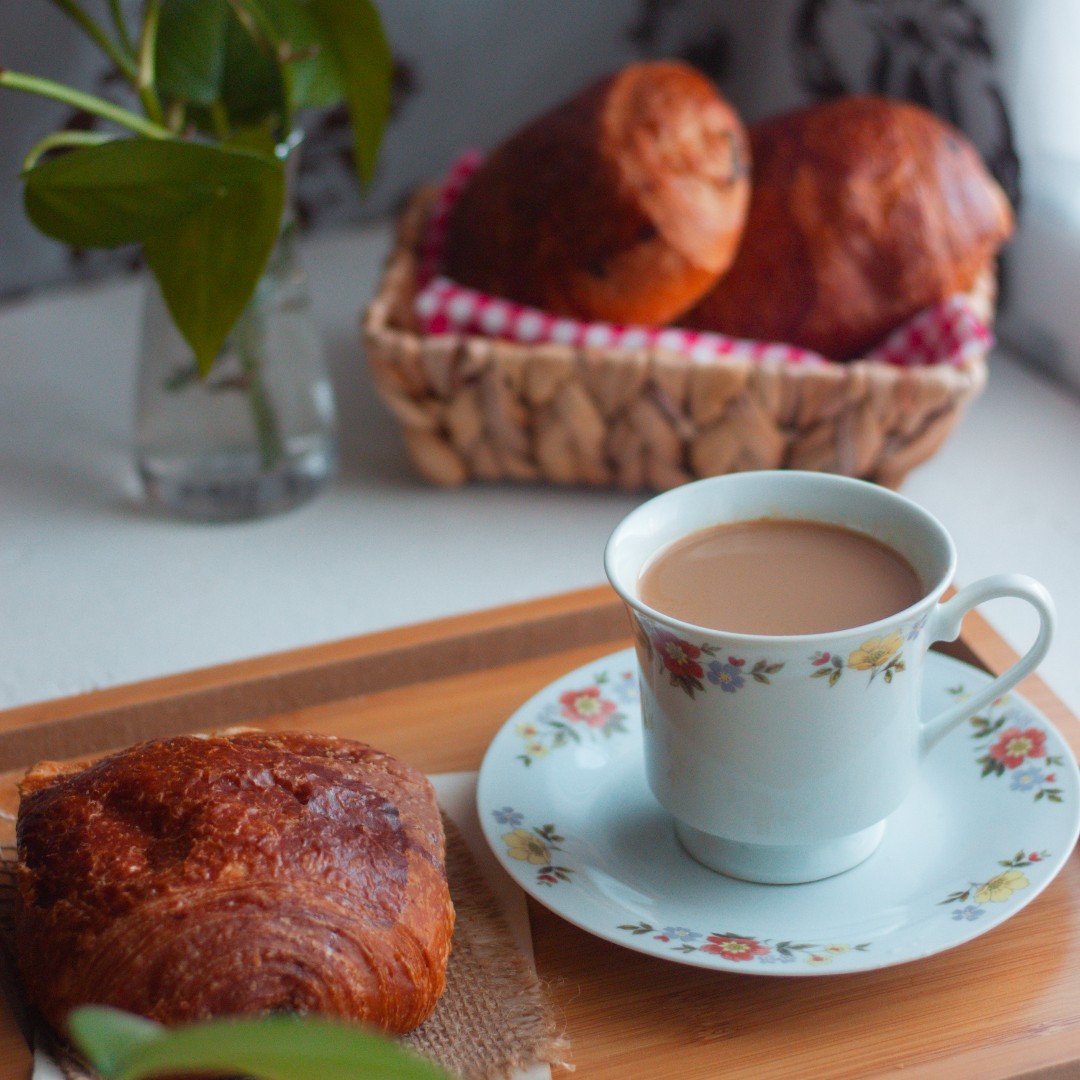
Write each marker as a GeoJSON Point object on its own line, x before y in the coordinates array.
{"type": "Point", "coordinates": [108, 1037]}
{"type": "Point", "coordinates": [270, 1048]}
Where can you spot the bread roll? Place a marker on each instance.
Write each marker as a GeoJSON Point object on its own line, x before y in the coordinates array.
{"type": "Point", "coordinates": [192, 877]}
{"type": "Point", "coordinates": [864, 212]}
{"type": "Point", "coordinates": [623, 204]}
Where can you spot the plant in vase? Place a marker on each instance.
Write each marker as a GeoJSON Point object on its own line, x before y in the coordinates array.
{"type": "Point", "coordinates": [235, 411]}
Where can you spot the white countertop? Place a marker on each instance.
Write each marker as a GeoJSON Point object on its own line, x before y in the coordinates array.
{"type": "Point", "coordinates": [95, 592]}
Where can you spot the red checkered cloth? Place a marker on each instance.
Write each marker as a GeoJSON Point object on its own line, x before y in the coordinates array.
{"type": "Point", "coordinates": [949, 332]}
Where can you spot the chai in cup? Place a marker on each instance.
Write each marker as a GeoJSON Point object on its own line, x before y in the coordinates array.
{"type": "Point", "coordinates": [782, 621]}
{"type": "Point", "coordinates": [779, 576]}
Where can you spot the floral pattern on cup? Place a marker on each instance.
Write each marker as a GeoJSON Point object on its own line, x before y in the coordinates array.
{"type": "Point", "coordinates": [879, 655]}
{"type": "Point", "coordinates": [533, 846]}
{"type": "Point", "coordinates": [592, 711]}
{"type": "Point", "coordinates": [1018, 752]}
{"type": "Point", "coordinates": [688, 666]}
{"type": "Point", "coordinates": [970, 902]}
{"type": "Point", "coordinates": [740, 948]}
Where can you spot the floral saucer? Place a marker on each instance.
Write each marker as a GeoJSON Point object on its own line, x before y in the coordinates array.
{"type": "Point", "coordinates": [565, 807]}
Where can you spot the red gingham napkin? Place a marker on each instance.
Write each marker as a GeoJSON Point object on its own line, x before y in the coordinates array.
{"type": "Point", "coordinates": [946, 333]}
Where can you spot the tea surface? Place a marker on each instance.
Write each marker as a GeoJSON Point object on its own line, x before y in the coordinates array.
{"type": "Point", "coordinates": [779, 576]}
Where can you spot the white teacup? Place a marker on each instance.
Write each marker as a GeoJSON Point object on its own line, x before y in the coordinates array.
{"type": "Point", "coordinates": [791, 775]}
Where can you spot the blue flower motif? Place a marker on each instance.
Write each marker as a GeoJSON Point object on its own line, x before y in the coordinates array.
{"type": "Point", "coordinates": [968, 914]}
{"type": "Point", "coordinates": [727, 676]}
{"type": "Point", "coordinates": [1027, 778]}
{"type": "Point", "coordinates": [508, 816]}
{"type": "Point", "coordinates": [680, 933]}
{"type": "Point", "coordinates": [624, 687]}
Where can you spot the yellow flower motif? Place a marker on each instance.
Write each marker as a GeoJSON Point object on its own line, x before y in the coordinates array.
{"type": "Point", "coordinates": [874, 652]}
{"type": "Point", "coordinates": [837, 948]}
{"type": "Point", "coordinates": [817, 959]}
{"type": "Point", "coordinates": [536, 749]}
{"type": "Point", "coordinates": [526, 846]}
{"type": "Point", "coordinates": [1001, 887]}
{"type": "Point", "coordinates": [527, 731]}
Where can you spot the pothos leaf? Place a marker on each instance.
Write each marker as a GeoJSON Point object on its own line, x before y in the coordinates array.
{"type": "Point", "coordinates": [352, 33]}
{"type": "Point", "coordinates": [317, 80]}
{"type": "Point", "coordinates": [115, 193]}
{"type": "Point", "coordinates": [209, 262]}
{"type": "Point", "coordinates": [190, 53]}
{"type": "Point", "coordinates": [254, 86]}
{"type": "Point", "coordinates": [123, 191]}
{"type": "Point", "coordinates": [271, 1048]}
{"type": "Point", "coordinates": [207, 217]}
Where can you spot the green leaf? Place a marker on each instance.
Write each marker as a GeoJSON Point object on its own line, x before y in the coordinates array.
{"type": "Point", "coordinates": [190, 49]}
{"type": "Point", "coordinates": [271, 1048]}
{"type": "Point", "coordinates": [353, 36]}
{"type": "Point", "coordinates": [116, 193]}
{"type": "Point", "coordinates": [253, 87]}
{"type": "Point", "coordinates": [109, 1037]}
{"type": "Point", "coordinates": [124, 191]}
{"type": "Point", "coordinates": [209, 262]}
{"type": "Point", "coordinates": [317, 79]}
{"type": "Point", "coordinates": [207, 217]}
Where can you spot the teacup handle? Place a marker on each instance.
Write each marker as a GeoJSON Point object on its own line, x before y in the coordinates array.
{"type": "Point", "coordinates": [945, 625]}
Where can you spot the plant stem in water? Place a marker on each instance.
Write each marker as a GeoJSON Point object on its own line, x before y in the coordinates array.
{"type": "Point", "coordinates": [250, 345]}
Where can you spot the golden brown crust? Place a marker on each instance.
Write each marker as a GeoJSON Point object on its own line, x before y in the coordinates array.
{"type": "Point", "coordinates": [622, 204]}
{"type": "Point", "coordinates": [864, 212]}
{"type": "Point", "coordinates": [194, 877]}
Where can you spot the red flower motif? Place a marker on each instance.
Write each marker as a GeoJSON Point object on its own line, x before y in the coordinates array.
{"type": "Point", "coordinates": [824, 658]}
{"type": "Point", "coordinates": [736, 663]}
{"type": "Point", "coordinates": [734, 948]}
{"type": "Point", "coordinates": [661, 937]}
{"type": "Point", "coordinates": [1035, 856]}
{"type": "Point", "coordinates": [1051, 777]}
{"type": "Point", "coordinates": [680, 657]}
{"type": "Point", "coordinates": [587, 706]}
{"type": "Point", "coordinates": [1015, 746]}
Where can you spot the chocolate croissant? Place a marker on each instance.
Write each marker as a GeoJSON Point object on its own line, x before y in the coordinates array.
{"type": "Point", "coordinates": [622, 204]}
{"type": "Point", "coordinates": [192, 877]}
{"type": "Point", "coordinates": [864, 211]}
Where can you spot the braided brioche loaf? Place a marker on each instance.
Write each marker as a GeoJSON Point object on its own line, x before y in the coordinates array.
{"type": "Point", "coordinates": [622, 204]}
{"type": "Point", "coordinates": [864, 211]}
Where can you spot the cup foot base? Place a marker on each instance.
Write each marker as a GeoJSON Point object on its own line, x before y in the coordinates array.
{"type": "Point", "coordinates": [779, 864]}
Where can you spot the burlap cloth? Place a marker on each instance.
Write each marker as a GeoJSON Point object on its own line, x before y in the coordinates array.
{"type": "Point", "coordinates": [493, 1019]}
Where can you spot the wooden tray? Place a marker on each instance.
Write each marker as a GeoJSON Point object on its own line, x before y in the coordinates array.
{"type": "Point", "coordinates": [1004, 1005]}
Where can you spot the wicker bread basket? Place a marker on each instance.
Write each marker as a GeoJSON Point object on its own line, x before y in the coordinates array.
{"type": "Point", "coordinates": [477, 408]}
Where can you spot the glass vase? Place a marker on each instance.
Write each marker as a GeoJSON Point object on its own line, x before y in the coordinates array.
{"type": "Point", "coordinates": [257, 435]}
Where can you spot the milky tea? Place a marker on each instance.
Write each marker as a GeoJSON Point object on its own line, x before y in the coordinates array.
{"type": "Point", "coordinates": [778, 576]}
